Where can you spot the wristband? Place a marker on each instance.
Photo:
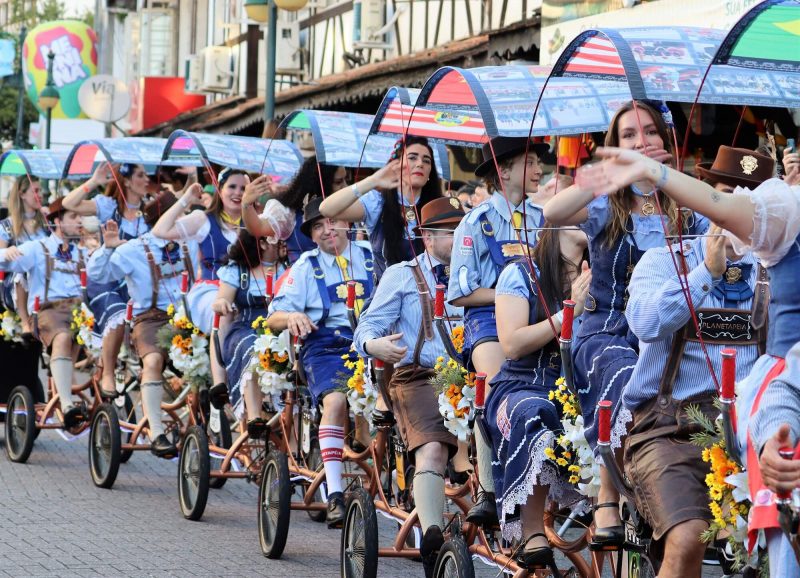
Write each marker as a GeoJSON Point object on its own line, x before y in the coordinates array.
{"type": "Point", "coordinates": [662, 180]}
{"type": "Point", "coordinates": [86, 189]}
{"type": "Point", "coordinates": [356, 192]}
{"type": "Point", "coordinates": [559, 316]}
{"type": "Point", "coordinates": [183, 202]}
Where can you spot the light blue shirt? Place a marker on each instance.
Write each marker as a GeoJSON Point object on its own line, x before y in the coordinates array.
{"type": "Point", "coordinates": [657, 309]}
{"type": "Point", "coordinates": [129, 262]}
{"type": "Point", "coordinates": [230, 275]}
{"type": "Point", "coordinates": [65, 282]}
{"type": "Point", "coordinates": [373, 209]}
{"type": "Point", "coordinates": [299, 291]}
{"type": "Point", "coordinates": [395, 308]}
{"type": "Point", "coordinates": [105, 212]}
{"type": "Point", "coordinates": [648, 231]}
{"type": "Point", "coordinates": [7, 233]}
{"type": "Point", "coordinates": [471, 263]}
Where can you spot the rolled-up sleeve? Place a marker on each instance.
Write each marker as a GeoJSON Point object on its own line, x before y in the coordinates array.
{"type": "Point", "coordinates": [384, 311]}
{"type": "Point", "coordinates": [465, 266]}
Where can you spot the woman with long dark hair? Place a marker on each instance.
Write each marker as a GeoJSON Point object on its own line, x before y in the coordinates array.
{"type": "Point", "coordinates": [388, 202]}
{"type": "Point", "coordinates": [241, 296]}
{"type": "Point", "coordinates": [311, 181]}
{"type": "Point", "coordinates": [522, 421]}
{"type": "Point", "coordinates": [620, 227]}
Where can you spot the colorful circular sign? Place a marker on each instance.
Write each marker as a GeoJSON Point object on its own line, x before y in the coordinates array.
{"type": "Point", "coordinates": [74, 45]}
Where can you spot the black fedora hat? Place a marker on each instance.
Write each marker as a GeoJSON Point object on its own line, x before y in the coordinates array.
{"type": "Point", "coordinates": [501, 148]}
{"type": "Point", "coordinates": [310, 214]}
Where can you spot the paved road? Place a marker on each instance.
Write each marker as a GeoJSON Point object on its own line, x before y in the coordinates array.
{"type": "Point", "coordinates": [55, 522]}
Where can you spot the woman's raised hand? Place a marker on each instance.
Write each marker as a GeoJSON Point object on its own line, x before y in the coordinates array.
{"type": "Point", "coordinates": [580, 288]}
{"type": "Point", "coordinates": [257, 188]}
{"type": "Point", "coordinates": [388, 177]}
{"type": "Point", "coordinates": [619, 168]}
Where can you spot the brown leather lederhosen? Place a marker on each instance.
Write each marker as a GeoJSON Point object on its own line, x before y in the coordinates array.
{"type": "Point", "coordinates": [156, 275]}
{"type": "Point", "coordinates": [56, 316]}
{"type": "Point", "coordinates": [665, 417]}
{"type": "Point", "coordinates": [413, 398]}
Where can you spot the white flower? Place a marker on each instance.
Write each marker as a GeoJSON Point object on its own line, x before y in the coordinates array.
{"type": "Point", "coordinates": [741, 489]}
{"type": "Point", "coordinates": [273, 384]}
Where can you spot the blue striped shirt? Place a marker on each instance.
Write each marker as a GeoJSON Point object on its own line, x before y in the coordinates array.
{"type": "Point", "coordinates": [395, 308]}
{"type": "Point", "coordinates": [657, 309]}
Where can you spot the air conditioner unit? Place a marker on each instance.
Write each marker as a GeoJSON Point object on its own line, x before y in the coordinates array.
{"type": "Point", "coordinates": [217, 66]}
{"type": "Point", "coordinates": [288, 56]}
{"type": "Point", "coordinates": [373, 18]}
{"type": "Point", "coordinates": [192, 67]}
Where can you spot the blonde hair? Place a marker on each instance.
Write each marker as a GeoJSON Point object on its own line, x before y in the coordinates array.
{"type": "Point", "coordinates": [15, 205]}
{"type": "Point", "coordinates": [622, 202]}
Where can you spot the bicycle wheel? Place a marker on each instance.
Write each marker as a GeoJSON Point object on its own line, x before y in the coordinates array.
{"type": "Point", "coordinates": [104, 446]}
{"type": "Point", "coordinates": [219, 434]}
{"type": "Point", "coordinates": [454, 560]}
{"type": "Point", "coordinates": [359, 551]}
{"type": "Point", "coordinates": [193, 474]}
{"type": "Point", "coordinates": [20, 424]}
{"type": "Point", "coordinates": [274, 500]}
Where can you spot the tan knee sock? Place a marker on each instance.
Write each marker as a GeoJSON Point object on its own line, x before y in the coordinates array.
{"type": "Point", "coordinates": [429, 498]}
{"type": "Point", "coordinates": [61, 368]}
{"type": "Point", "coordinates": [484, 454]}
{"type": "Point", "coordinates": [151, 404]}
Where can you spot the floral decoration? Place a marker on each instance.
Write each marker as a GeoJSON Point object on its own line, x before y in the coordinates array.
{"type": "Point", "coordinates": [270, 360]}
{"type": "Point", "coordinates": [187, 346]}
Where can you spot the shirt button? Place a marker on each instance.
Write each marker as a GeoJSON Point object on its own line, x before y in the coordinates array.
{"type": "Point", "coordinates": [705, 288]}
{"type": "Point", "coordinates": [337, 332]}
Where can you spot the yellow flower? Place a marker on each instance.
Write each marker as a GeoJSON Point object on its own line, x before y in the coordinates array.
{"type": "Point", "coordinates": [574, 479]}
{"type": "Point", "coordinates": [550, 453]}
{"type": "Point", "coordinates": [254, 324]}
{"type": "Point", "coordinates": [561, 462]}
{"type": "Point", "coordinates": [171, 310]}
{"type": "Point", "coordinates": [574, 468]}
{"type": "Point", "coordinates": [551, 396]}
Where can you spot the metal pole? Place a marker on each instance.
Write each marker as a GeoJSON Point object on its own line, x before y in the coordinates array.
{"type": "Point", "coordinates": [48, 117]}
{"type": "Point", "coordinates": [18, 138]}
{"type": "Point", "coordinates": [272, 33]}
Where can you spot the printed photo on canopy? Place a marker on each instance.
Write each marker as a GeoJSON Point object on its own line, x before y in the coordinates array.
{"type": "Point", "coordinates": [280, 159]}
{"type": "Point", "coordinates": [85, 156]}
{"type": "Point", "coordinates": [343, 139]}
{"type": "Point", "coordinates": [44, 164]}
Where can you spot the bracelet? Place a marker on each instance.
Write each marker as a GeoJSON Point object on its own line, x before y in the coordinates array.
{"type": "Point", "coordinates": [86, 189]}
{"type": "Point", "coordinates": [559, 316]}
{"type": "Point", "coordinates": [662, 180]}
{"type": "Point", "coordinates": [364, 347]}
{"type": "Point", "coordinates": [356, 192]}
{"type": "Point", "coordinates": [183, 202]}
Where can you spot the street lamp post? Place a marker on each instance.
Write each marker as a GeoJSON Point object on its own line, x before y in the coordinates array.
{"type": "Point", "coordinates": [19, 141]}
{"type": "Point", "coordinates": [48, 98]}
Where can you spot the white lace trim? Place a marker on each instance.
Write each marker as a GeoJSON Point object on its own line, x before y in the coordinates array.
{"type": "Point", "coordinates": [113, 322]}
{"type": "Point", "coordinates": [620, 430]}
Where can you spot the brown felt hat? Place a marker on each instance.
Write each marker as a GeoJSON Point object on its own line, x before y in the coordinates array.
{"type": "Point", "coordinates": [441, 211]}
{"type": "Point", "coordinates": [737, 167]}
{"type": "Point", "coordinates": [56, 209]}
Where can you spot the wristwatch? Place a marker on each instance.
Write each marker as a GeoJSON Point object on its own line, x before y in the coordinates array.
{"type": "Point", "coordinates": [356, 193]}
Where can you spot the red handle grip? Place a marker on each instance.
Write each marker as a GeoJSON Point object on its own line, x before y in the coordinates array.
{"type": "Point", "coordinates": [480, 390]}
{"type": "Point", "coordinates": [728, 373]}
{"type": "Point", "coordinates": [36, 304]}
{"type": "Point", "coordinates": [378, 363]}
{"type": "Point", "coordinates": [351, 294]}
{"type": "Point", "coordinates": [269, 285]}
{"type": "Point", "coordinates": [129, 311]}
{"type": "Point", "coordinates": [569, 315]}
{"type": "Point", "coordinates": [2, 275]}
{"type": "Point", "coordinates": [438, 303]}
{"type": "Point", "coordinates": [185, 282]}
{"type": "Point", "coordinates": [83, 279]}
{"type": "Point", "coordinates": [604, 422]}
{"type": "Point", "coordinates": [216, 321]}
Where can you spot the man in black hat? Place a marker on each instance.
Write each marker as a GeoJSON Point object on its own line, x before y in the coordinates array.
{"type": "Point", "coordinates": [311, 303]}
{"type": "Point", "coordinates": [490, 236]}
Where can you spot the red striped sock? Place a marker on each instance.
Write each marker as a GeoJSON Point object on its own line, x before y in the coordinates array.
{"type": "Point", "coordinates": [331, 445]}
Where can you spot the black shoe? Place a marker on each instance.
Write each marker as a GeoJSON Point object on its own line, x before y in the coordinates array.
{"type": "Point", "coordinates": [432, 542]}
{"type": "Point", "coordinates": [256, 428]}
{"type": "Point", "coordinates": [537, 558]}
{"type": "Point", "coordinates": [163, 448]}
{"type": "Point", "coordinates": [484, 512]}
{"type": "Point", "coordinates": [609, 535]}
{"type": "Point", "coordinates": [456, 478]}
{"type": "Point", "coordinates": [218, 394]}
{"type": "Point", "coordinates": [74, 417]}
{"type": "Point", "coordinates": [382, 418]}
{"type": "Point", "coordinates": [336, 510]}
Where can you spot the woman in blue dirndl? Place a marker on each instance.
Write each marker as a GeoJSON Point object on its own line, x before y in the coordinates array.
{"type": "Point", "coordinates": [620, 228]}
{"type": "Point", "coordinates": [242, 295]}
{"type": "Point", "coordinates": [521, 420]}
{"type": "Point", "coordinates": [122, 203]}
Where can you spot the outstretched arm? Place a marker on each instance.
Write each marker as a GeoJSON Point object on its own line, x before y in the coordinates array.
{"type": "Point", "coordinates": [76, 199]}
{"type": "Point", "coordinates": [343, 203]}
{"type": "Point", "coordinates": [167, 227]}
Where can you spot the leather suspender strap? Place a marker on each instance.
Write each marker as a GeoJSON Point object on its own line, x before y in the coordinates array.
{"type": "Point", "coordinates": [155, 274]}
{"type": "Point", "coordinates": [673, 365]}
{"type": "Point", "coordinates": [761, 299]}
{"type": "Point", "coordinates": [425, 332]}
{"type": "Point", "coordinates": [187, 262]}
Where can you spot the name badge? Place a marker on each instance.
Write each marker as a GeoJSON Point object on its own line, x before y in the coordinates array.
{"type": "Point", "coordinates": [725, 325]}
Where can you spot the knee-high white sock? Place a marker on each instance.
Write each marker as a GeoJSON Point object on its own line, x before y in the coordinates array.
{"type": "Point", "coordinates": [61, 368]}
{"type": "Point", "coordinates": [331, 445]}
{"type": "Point", "coordinates": [151, 404]}
{"type": "Point", "coordinates": [484, 455]}
{"type": "Point", "coordinates": [429, 498]}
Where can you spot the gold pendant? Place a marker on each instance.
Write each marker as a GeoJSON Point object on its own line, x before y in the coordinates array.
{"type": "Point", "coordinates": [411, 215]}
{"type": "Point", "coordinates": [648, 208]}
